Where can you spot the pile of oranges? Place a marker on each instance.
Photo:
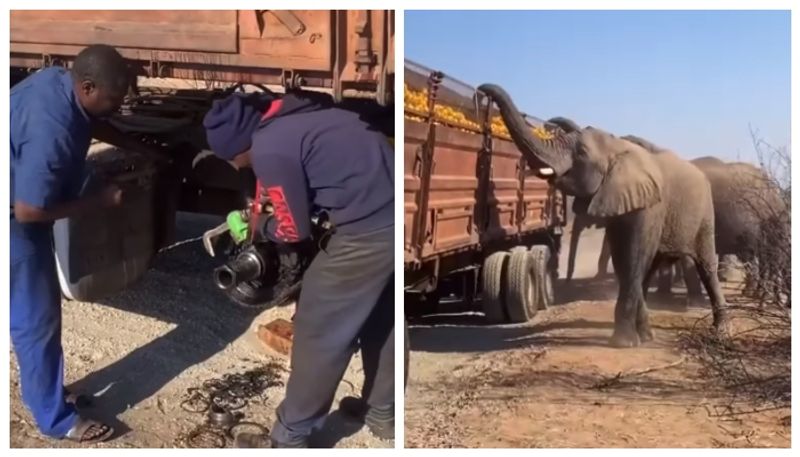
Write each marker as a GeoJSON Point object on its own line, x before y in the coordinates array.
{"type": "Point", "coordinates": [417, 102]}
{"type": "Point", "coordinates": [416, 106]}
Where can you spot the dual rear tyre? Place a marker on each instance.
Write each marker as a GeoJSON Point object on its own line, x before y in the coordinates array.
{"type": "Point", "coordinates": [517, 284]}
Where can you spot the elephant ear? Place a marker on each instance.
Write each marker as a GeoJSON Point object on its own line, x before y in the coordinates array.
{"type": "Point", "coordinates": [634, 181]}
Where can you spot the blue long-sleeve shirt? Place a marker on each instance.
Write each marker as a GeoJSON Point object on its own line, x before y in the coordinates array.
{"type": "Point", "coordinates": [50, 136]}
{"type": "Point", "coordinates": [309, 154]}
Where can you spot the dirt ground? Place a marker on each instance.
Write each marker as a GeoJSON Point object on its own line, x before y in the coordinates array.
{"type": "Point", "coordinates": [139, 351]}
{"type": "Point", "coordinates": [555, 382]}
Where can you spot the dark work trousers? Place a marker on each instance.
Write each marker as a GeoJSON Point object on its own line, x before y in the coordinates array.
{"type": "Point", "coordinates": [347, 301]}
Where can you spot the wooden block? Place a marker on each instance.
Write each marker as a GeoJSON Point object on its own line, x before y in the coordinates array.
{"type": "Point", "coordinates": [277, 335]}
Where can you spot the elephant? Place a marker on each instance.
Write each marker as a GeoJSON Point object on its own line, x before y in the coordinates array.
{"type": "Point", "coordinates": [667, 272]}
{"type": "Point", "coordinates": [581, 221]}
{"type": "Point", "coordinates": [584, 221]}
{"type": "Point", "coordinates": [743, 198]}
{"type": "Point", "coordinates": [657, 207]}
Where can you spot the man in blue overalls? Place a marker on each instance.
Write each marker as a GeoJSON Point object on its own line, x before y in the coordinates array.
{"type": "Point", "coordinates": [54, 114]}
{"type": "Point", "coordinates": [308, 153]}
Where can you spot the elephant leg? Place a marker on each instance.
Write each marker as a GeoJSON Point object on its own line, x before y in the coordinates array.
{"type": "Point", "coordinates": [605, 256]}
{"type": "Point", "coordinates": [690, 276]}
{"type": "Point", "coordinates": [679, 280]}
{"type": "Point", "coordinates": [657, 268]}
{"type": "Point", "coordinates": [642, 318]}
{"type": "Point", "coordinates": [706, 262]}
{"type": "Point", "coordinates": [751, 275]}
{"type": "Point", "coordinates": [726, 267]}
{"type": "Point", "coordinates": [665, 280]}
{"type": "Point", "coordinates": [633, 249]}
{"type": "Point", "coordinates": [578, 224]}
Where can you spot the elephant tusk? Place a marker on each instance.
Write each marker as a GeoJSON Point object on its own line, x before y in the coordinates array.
{"type": "Point", "coordinates": [546, 171]}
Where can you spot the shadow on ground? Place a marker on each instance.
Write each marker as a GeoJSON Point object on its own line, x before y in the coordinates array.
{"type": "Point", "coordinates": [585, 388]}
{"type": "Point", "coordinates": [456, 336]}
{"type": "Point", "coordinates": [470, 332]}
{"type": "Point", "coordinates": [338, 426]}
{"type": "Point", "coordinates": [177, 290]}
{"type": "Point", "coordinates": [581, 289]}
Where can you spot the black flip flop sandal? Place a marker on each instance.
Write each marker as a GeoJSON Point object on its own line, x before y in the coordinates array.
{"type": "Point", "coordinates": [89, 431]}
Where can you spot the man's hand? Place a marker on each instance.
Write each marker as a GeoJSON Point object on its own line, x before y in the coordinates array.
{"type": "Point", "coordinates": [109, 197]}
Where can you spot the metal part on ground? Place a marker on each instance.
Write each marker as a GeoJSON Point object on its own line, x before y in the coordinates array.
{"type": "Point", "coordinates": [234, 390]}
{"type": "Point", "coordinates": [203, 437]}
{"type": "Point", "coordinates": [232, 432]}
{"type": "Point", "coordinates": [221, 417]}
{"type": "Point", "coordinates": [220, 397]}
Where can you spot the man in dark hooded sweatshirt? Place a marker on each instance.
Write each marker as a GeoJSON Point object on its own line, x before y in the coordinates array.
{"type": "Point", "coordinates": [309, 154]}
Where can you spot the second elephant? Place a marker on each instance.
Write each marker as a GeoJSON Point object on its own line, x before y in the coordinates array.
{"type": "Point", "coordinates": [742, 197]}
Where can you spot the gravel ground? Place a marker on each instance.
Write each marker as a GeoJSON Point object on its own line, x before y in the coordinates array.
{"type": "Point", "coordinates": [139, 351]}
{"type": "Point", "coordinates": [554, 382]}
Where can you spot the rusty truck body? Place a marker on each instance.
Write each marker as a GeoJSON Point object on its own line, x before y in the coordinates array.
{"type": "Point", "coordinates": [478, 223]}
{"type": "Point", "coordinates": [183, 61]}
{"type": "Point", "coordinates": [349, 53]}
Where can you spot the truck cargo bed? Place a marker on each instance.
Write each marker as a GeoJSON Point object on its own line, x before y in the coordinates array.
{"type": "Point", "coordinates": [463, 188]}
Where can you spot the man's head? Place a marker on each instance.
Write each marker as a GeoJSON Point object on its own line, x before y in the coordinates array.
{"type": "Point", "coordinates": [101, 79]}
{"type": "Point", "coordinates": [231, 123]}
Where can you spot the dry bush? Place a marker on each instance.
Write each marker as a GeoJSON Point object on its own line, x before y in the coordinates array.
{"type": "Point", "coordinates": [769, 202]}
{"type": "Point", "coordinates": [754, 365]}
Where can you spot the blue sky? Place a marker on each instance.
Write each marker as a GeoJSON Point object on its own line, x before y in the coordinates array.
{"type": "Point", "coordinates": [688, 80]}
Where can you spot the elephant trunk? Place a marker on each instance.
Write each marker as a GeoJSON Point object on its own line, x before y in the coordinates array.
{"type": "Point", "coordinates": [555, 153]}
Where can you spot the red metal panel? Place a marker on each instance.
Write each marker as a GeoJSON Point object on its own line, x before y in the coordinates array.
{"type": "Point", "coordinates": [287, 47]}
{"type": "Point", "coordinates": [504, 185]}
{"type": "Point", "coordinates": [451, 201]}
{"type": "Point", "coordinates": [263, 34]}
{"type": "Point", "coordinates": [534, 201]}
{"type": "Point", "coordinates": [415, 135]}
{"type": "Point", "coordinates": [206, 31]}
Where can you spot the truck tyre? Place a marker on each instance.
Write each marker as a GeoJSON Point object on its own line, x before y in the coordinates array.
{"type": "Point", "coordinates": [543, 276]}
{"type": "Point", "coordinates": [493, 278]}
{"type": "Point", "coordinates": [522, 295]}
{"type": "Point", "coordinates": [405, 343]}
